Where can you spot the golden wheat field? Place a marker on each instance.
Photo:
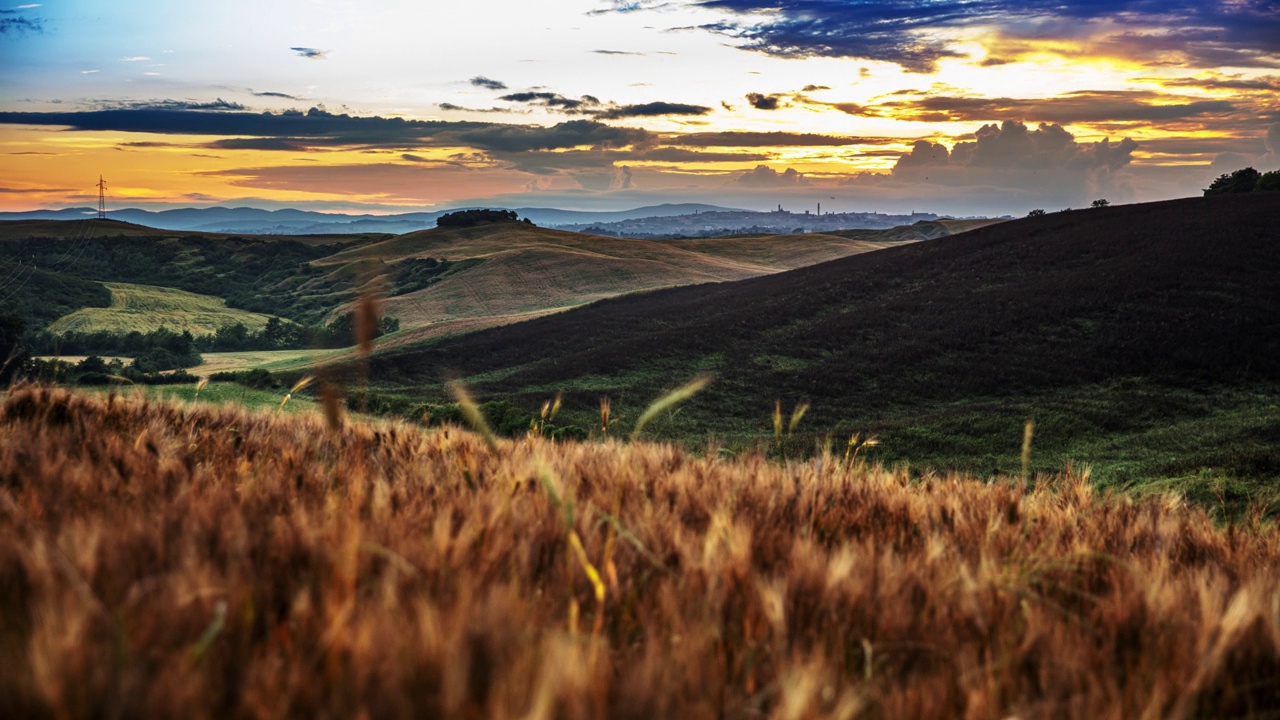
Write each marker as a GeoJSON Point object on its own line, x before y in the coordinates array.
{"type": "Point", "coordinates": [162, 560]}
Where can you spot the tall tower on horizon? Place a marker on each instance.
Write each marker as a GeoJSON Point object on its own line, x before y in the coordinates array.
{"type": "Point", "coordinates": [102, 198]}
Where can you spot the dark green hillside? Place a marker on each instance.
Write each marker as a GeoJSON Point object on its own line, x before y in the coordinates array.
{"type": "Point", "coordinates": [1104, 323]}
{"type": "Point", "coordinates": [68, 261]}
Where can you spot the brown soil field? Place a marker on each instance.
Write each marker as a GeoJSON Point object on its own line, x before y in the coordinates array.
{"type": "Point", "coordinates": [165, 560]}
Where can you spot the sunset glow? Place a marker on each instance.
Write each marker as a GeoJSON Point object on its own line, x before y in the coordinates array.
{"type": "Point", "coordinates": [979, 107]}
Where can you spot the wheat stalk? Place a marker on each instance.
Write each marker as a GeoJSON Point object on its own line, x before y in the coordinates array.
{"type": "Point", "coordinates": [670, 400]}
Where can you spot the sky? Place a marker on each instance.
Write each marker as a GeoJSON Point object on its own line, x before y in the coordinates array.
{"type": "Point", "coordinates": [963, 107]}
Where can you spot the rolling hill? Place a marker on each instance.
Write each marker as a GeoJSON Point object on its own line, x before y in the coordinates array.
{"type": "Point", "coordinates": [144, 308]}
{"type": "Point", "coordinates": [51, 268]}
{"type": "Point", "coordinates": [1109, 323]}
{"type": "Point", "coordinates": [493, 275]}
{"type": "Point", "coordinates": [513, 271]}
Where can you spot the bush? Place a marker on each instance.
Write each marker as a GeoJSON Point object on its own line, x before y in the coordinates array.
{"type": "Point", "coordinates": [258, 379]}
{"type": "Point", "coordinates": [1268, 182]}
{"type": "Point", "coordinates": [1240, 181]}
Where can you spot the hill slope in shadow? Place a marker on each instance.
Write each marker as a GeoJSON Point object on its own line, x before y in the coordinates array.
{"type": "Point", "coordinates": [513, 270]}
{"type": "Point", "coordinates": [1173, 295]}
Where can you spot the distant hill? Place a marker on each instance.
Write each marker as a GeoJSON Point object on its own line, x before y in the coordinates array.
{"type": "Point", "coordinates": [254, 221]}
{"type": "Point", "coordinates": [1123, 319]}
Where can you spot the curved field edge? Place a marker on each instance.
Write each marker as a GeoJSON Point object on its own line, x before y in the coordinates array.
{"type": "Point", "coordinates": [146, 308]}
{"type": "Point", "coordinates": [169, 559]}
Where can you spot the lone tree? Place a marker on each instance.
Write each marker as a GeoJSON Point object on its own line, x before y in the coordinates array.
{"type": "Point", "coordinates": [1240, 181]}
{"type": "Point", "coordinates": [471, 218]}
{"type": "Point", "coordinates": [1100, 203]}
{"type": "Point", "coordinates": [1036, 213]}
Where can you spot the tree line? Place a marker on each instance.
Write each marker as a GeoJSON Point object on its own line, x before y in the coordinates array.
{"type": "Point", "coordinates": [1244, 180]}
{"type": "Point", "coordinates": [165, 349]}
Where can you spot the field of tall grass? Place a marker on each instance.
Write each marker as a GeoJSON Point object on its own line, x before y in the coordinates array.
{"type": "Point", "coordinates": [163, 560]}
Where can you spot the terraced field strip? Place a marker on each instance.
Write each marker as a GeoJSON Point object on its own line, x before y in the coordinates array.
{"type": "Point", "coordinates": [268, 359]}
{"type": "Point", "coordinates": [146, 308]}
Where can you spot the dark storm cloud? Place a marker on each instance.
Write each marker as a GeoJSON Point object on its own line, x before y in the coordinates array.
{"type": "Point", "coordinates": [768, 139]}
{"type": "Point", "coordinates": [1077, 107]}
{"type": "Point", "coordinates": [552, 100]}
{"type": "Point", "coordinates": [652, 109]}
{"type": "Point", "coordinates": [1213, 32]}
{"type": "Point", "coordinates": [488, 83]}
{"type": "Point", "coordinates": [314, 127]}
{"type": "Point", "coordinates": [284, 96]}
{"type": "Point", "coordinates": [216, 105]}
{"type": "Point", "coordinates": [15, 26]}
{"type": "Point", "coordinates": [762, 102]}
{"type": "Point", "coordinates": [574, 133]}
{"type": "Point", "coordinates": [591, 106]}
{"type": "Point", "coordinates": [460, 108]}
{"type": "Point", "coordinates": [1266, 83]}
{"type": "Point", "coordinates": [310, 53]}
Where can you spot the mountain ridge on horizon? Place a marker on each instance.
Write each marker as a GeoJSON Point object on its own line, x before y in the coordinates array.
{"type": "Point", "coordinates": [221, 218]}
{"type": "Point", "coordinates": [292, 221]}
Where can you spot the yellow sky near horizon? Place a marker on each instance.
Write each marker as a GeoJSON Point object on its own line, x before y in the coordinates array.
{"type": "Point", "coordinates": [599, 105]}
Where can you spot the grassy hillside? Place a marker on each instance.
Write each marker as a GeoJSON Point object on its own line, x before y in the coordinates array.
{"type": "Point", "coordinates": [1106, 326]}
{"type": "Point", "coordinates": [68, 261]}
{"type": "Point", "coordinates": [175, 560]}
{"type": "Point", "coordinates": [514, 269]}
{"type": "Point", "coordinates": [145, 308]}
{"type": "Point", "coordinates": [441, 282]}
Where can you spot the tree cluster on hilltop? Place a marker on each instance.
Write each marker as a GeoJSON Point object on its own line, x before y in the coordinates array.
{"type": "Point", "coordinates": [1244, 180]}
{"type": "Point", "coordinates": [471, 218]}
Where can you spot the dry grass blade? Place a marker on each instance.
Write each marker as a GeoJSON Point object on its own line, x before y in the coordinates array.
{"type": "Point", "coordinates": [204, 381]}
{"type": "Point", "coordinates": [471, 411]}
{"type": "Point", "coordinates": [331, 401]}
{"type": "Point", "coordinates": [549, 483]}
{"type": "Point", "coordinates": [1027, 432]}
{"type": "Point", "coordinates": [630, 537]}
{"type": "Point", "coordinates": [796, 414]}
{"type": "Point", "coordinates": [211, 632]}
{"type": "Point", "coordinates": [367, 311]}
{"type": "Point", "coordinates": [669, 401]}
{"type": "Point", "coordinates": [297, 387]}
{"type": "Point", "coordinates": [594, 575]}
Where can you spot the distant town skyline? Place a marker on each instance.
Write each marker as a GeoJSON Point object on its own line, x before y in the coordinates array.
{"type": "Point", "coordinates": [948, 106]}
